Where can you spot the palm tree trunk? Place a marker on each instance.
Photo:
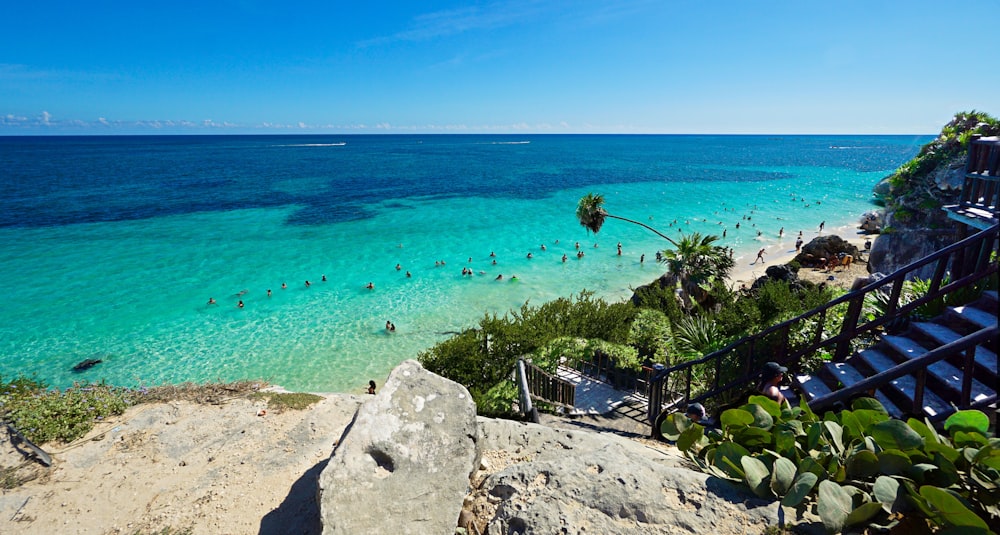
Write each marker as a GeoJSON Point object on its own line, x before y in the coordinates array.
{"type": "Point", "coordinates": [641, 224]}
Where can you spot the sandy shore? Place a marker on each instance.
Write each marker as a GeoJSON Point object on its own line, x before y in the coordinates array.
{"type": "Point", "coordinates": [747, 272]}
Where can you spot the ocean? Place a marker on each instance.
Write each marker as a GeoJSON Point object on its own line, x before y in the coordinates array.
{"type": "Point", "coordinates": [110, 247]}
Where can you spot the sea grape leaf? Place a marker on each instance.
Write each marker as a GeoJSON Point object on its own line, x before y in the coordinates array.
{"type": "Point", "coordinates": [946, 475]}
{"type": "Point", "coordinates": [784, 442]}
{"type": "Point", "coordinates": [691, 436]}
{"type": "Point", "coordinates": [888, 492]}
{"type": "Point", "coordinates": [892, 462]}
{"type": "Point", "coordinates": [753, 437]}
{"type": "Point", "coordinates": [852, 426]}
{"type": "Point", "coordinates": [950, 508]}
{"type": "Point", "coordinates": [949, 452]}
{"type": "Point", "coordinates": [868, 418]}
{"type": "Point", "coordinates": [870, 404]}
{"type": "Point", "coordinates": [918, 472]}
{"type": "Point", "coordinates": [757, 475]}
{"type": "Point", "coordinates": [895, 434]}
{"type": "Point", "coordinates": [924, 429]}
{"type": "Point", "coordinates": [863, 513]}
{"type": "Point", "coordinates": [964, 438]}
{"type": "Point", "coordinates": [673, 425]}
{"type": "Point", "coordinates": [782, 476]}
{"type": "Point", "coordinates": [735, 418]}
{"type": "Point", "coordinates": [761, 418]}
{"type": "Point", "coordinates": [727, 458]}
{"type": "Point", "coordinates": [833, 504]}
{"type": "Point", "coordinates": [800, 488]}
{"type": "Point", "coordinates": [814, 436]}
{"type": "Point", "coordinates": [862, 465]}
{"type": "Point", "coordinates": [968, 421]}
{"type": "Point", "coordinates": [808, 464]}
{"type": "Point", "coordinates": [767, 404]}
{"type": "Point", "coordinates": [836, 434]}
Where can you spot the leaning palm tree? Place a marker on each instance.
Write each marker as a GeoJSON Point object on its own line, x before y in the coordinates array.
{"type": "Point", "coordinates": [591, 213]}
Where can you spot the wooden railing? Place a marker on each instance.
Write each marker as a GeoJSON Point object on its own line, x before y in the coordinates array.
{"type": "Point", "coordinates": [728, 372]}
{"type": "Point", "coordinates": [536, 384]}
{"type": "Point", "coordinates": [982, 176]}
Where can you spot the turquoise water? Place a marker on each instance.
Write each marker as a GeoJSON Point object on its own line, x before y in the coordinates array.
{"type": "Point", "coordinates": [113, 264]}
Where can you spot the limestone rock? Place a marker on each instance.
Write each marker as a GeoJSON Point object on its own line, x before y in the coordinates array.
{"type": "Point", "coordinates": [825, 247]}
{"type": "Point", "coordinates": [580, 482]}
{"type": "Point", "coordinates": [901, 247]}
{"type": "Point", "coordinates": [403, 465]}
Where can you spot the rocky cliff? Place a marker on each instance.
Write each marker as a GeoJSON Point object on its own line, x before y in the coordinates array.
{"type": "Point", "coordinates": [913, 223]}
{"type": "Point", "coordinates": [416, 459]}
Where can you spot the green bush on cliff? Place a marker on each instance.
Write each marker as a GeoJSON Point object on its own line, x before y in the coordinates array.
{"type": "Point", "coordinates": [482, 358]}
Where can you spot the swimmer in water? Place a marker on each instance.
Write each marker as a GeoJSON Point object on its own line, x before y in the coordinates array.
{"type": "Point", "coordinates": [240, 304]}
{"type": "Point", "coordinates": [269, 292]}
{"type": "Point", "coordinates": [211, 300]}
{"type": "Point", "coordinates": [499, 277]}
{"type": "Point", "coordinates": [408, 274]}
{"type": "Point", "coordinates": [370, 286]}
{"type": "Point", "coordinates": [564, 258]}
{"type": "Point", "coordinates": [308, 284]}
{"type": "Point", "coordinates": [284, 286]}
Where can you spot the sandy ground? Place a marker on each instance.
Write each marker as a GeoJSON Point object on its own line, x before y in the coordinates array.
{"type": "Point", "coordinates": [746, 273]}
{"type": "Point", "coordinates": [182, 468]}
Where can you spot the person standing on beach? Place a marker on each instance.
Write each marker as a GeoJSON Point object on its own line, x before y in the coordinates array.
{"type": "Point", "coordinates": [760, 256]}
{"type": "Point", "coordinates": [821, 225]}
{"type": "Point", "coordinates": [798, 244]}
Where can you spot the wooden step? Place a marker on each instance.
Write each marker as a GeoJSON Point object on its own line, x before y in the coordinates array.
{"type": "Point", "coordinates": [846, 374]}
{"type": "Point", "coordinates": [811, 386]}
{"type": "Point", "coordinates": [978, 317]}
{"type": "Point", "coordinates": [990, 299]}
{"type": "Point", "coordinates": [985, 359]}
{"type": "Point", "coordinates": [946, 374]}
{"type": "Point", "coordinates": [905, 386]}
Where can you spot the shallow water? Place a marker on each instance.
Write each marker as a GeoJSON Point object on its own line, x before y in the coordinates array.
{"type": "Point", "coordinates": [111, 247]}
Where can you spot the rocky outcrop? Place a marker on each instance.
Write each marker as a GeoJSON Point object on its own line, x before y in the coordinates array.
{"type": "Point", "coordinates": [580, 482]}
{"type": "Point", "coordinates": [914, 225]}
{"type": "Point", "coordinates": [403, 465]}
{"type": "Point", "coordinates": [820, 250]}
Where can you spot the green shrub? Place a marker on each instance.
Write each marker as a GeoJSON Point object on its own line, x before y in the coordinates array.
{"type": "Point", "coordinates": [650, 335]}
{"type": "Point", "coordinates": [43, 415]}
{"type": "Point", "coordinates": [856, 468]}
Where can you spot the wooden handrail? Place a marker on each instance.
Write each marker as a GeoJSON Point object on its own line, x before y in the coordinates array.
{"type": "Point", "coordinates": [979, 246]}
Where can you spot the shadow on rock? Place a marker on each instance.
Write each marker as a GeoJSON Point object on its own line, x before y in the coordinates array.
{"type": "Point", "coordinates": [299, 512]}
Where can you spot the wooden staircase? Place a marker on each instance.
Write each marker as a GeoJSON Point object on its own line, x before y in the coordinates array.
{"type": "Point", "coordinates": [928, 386]}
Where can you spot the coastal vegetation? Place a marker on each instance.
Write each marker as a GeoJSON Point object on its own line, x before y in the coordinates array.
{"type": "Point", "coordinates": [856, 468]}
{"type": "Point", "coordinates": [44, 414]}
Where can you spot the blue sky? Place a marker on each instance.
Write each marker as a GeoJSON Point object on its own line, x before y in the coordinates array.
{"type": "Point", "coordinates": [520, 66]}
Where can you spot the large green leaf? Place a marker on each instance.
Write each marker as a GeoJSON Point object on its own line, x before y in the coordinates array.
{"type": "Point", "coordinates": [833, 504]}
{"type": "Point", "coordinates": [673, 425]}
{"type": "Point", "coordinates": [868, 418]}
{"type": "Point", "coordinates": [852, 426]}
{"type": "Point", "coordinates": [950, 508]}
{"type": "Point", "coordinates": [757, 476]}
{"type": "Point", "coordinates": [767, 404]}
{"type": "Point", "coordinates": [727, 458]}
{"type": "Point", "coordinates": [863, 513]}
{"type": "Point", "coordinates": [870, 404]}
{"type": "Point", "coordinates": [968, 438]}
{"type": "Point", "coordinates": [735, 418]}
{"type": "Point", "coordinates": [836, 434]}
{"type": "Point", "coordinates": [924, 429]}
{"type": "Point", "coordinates": [892, 462]}
{"type": "Point", "coordinates": [808, 464]}
{"type": "Point", "coordinates": [691, 436]}
{"type": "Point", "coordinates": [895, 434]}
{"type": "Point", "coordinates": [782, 475]}
{"type": "Point", "coordinates": [947, 451]}
{"type": "Point", "coordinates": [862, 465]}
{"type": "Point", "coordinates": [761, 418]}
{"type": "Point", "coordinates": [800, 488]}
{"type": "Point", "coordinates": [753, 437]}
{"type": "Point", "coordinates": [784, 442]}
{"type": "Point", "coordinates": [968, 421]}
{"type": "Point", "coordinates": [888, 492]}
{"type": "Point", "coordinates": [919, 472]}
